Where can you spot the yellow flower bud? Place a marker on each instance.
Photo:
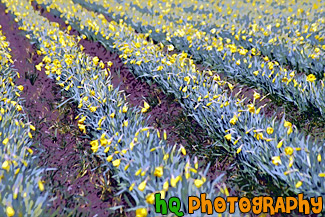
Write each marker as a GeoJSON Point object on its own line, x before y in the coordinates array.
{"type": "Point", "coordinates": [150, 198]}
{"type": "Point", "coordinates": [124, 109]}
{"type": "Point", "coordinates": [280, 144]}
{"type": "Point", "coordinates": [142, 185]}
{"type": "Point", "coordinates": [141, 212]}
{"type": "Point", "coordinates": [10, 211]}
{"type": "Point", "coordinates": [198, 183]}
{"type": "Point", "coordinates": [40, 185]}
{"type": "Point", "coordinates": [288, 150]}
{"type": "Point", "coordinates": [299, 183]}
{"type": "Point", "coordinates": [269, 130]}
{"type": "Point", "coordinates": [159, 171]}
{"type": "Point", "coordinates": [165, 186]}
{"type": "Point", "coordinates": [116, 162]}
{"type": "Point", "coordinates": [131, 187]}
{"type": "Point", "coordinates": [109, 158]}
{"type": "Point", "coordinates": [5, 165]}
{"type": "Point", "coordinates": [5, 141]}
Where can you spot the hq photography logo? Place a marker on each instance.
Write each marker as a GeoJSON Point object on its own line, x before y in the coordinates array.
{"type": "Point", "coordinates": [257, 205]}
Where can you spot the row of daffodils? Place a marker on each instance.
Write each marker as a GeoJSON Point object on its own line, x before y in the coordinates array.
{"type": "Point", "coordinates": [290, 31]}
{"type": "Point", "coordinates": [242, 57]}
{"type": "Point", "coordinates": [20, 181]}
{"type": "Point", "coordinates": [142, 162]}
{"type": "Point", "coordinates": [262, 145]}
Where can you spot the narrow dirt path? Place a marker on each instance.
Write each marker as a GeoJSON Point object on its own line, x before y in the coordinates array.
{"type": "Point", "coordinates": [60, 145]}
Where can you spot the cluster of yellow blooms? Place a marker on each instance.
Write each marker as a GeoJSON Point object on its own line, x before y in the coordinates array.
{"type": "Point", "coordinates": [87, 78]}
{"type": "Point", "coordinates": [178, 72]}
{"type": "Point", "coordinates": [213, 18]}
{"type": "Point", "coordinates": [224, 14]}
{"type": "Point", "coordinates": [255, 68]}
{"type": "Point", "coordinates": [19, 180]}
{"type": "Point", "coordinates": [119, 133]}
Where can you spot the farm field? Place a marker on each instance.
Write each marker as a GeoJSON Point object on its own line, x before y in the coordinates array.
{"type": "Point", "coordinates": [106, 103]}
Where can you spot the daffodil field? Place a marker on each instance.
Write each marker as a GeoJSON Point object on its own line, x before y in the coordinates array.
{"type": "Point", "coordinates": [227, 50]}
{"type": "Point", "coordinates": [275, 47]}
{"type": "Point", "coordinates": [20, 180]}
